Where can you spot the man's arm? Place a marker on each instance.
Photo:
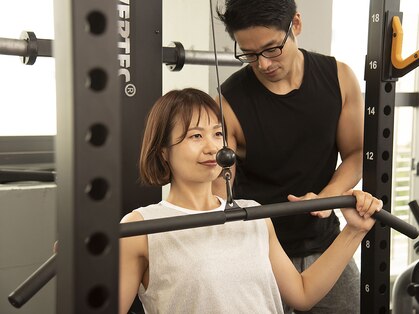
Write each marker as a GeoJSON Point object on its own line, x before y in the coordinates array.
{"type": "Point", "coordinates": [350, 133]}
{"type": "Point", "coordinates": [349, 136]}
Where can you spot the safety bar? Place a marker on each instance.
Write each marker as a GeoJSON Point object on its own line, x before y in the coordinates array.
{"type": "Point", "coordinates": [28, 47]}
{"type": "Point", "coordinates": [175, 57]}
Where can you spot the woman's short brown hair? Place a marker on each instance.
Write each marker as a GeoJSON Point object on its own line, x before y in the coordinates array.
{"type": "Point", "coordinates": [153, 168]}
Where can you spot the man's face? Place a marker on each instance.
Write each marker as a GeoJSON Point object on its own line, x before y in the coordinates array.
{"type": "Point", "coordinates": [259, 38]}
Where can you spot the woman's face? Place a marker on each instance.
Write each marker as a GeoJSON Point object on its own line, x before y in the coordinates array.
{"type": "Point", "coordinates": [193, 159]}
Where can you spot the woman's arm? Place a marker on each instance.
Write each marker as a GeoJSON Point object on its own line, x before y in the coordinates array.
{"type": "Point", "coordinates": [303, 291]}
{"type": "Point", "coordinates": [133, 263]}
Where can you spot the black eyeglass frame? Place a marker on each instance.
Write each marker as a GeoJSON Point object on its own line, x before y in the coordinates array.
{"type": "Point", "coordinates": [257, 54]}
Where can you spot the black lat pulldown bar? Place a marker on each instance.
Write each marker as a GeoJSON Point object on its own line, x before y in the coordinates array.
{"type": "Point", "coordinates": [48, 270]}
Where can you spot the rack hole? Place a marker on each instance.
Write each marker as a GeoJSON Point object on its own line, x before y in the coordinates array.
{"type": "Point", "coordinates": [97, 189]}
{"type": "Point", "coordinates": [387, 110]}
{"type": "Point", "coordinates": [382, 289]}
{"type": "Point", "coordinates": [97, 134]}
{"type": "Point", "coordinates": [97, 297]}
{"type": "Point", "coordinates": [96, 23]}
{"type": "Point", "coordinates": [97, 80]}
{"type": "Point", "coordinates": [385, 155]}
{"type": "Point", "coordinates": [388, 87]}
{"type": "Point", "coordinates": [97, 243]}
{"type": "Point", "coordinates": [382, 310]}
{"type": "Point", "coordinates": [383, 267]}
{"type": "Point", "coordinates": [384, 178]}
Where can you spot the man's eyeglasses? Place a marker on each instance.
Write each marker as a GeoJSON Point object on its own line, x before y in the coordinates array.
{"type": "Point", "coordinates": [271, 52]}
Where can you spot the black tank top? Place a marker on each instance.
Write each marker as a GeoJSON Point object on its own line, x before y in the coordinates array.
{"type": "Point", "coordinates": [290, 147]}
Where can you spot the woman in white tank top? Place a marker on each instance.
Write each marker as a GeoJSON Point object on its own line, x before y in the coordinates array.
{"type": "Point", "coordinates": [239, 267]}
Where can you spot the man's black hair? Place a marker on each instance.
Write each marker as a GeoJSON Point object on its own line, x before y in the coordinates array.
{"type": "Point", "coordinates": [242, 14]}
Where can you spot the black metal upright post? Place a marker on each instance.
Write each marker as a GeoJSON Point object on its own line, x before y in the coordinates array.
{"type": "Point", "coordinates": [140, 71]}
{"type": "Point", "coordinates": [378, 156]}
{"type": "Point", "coordinates": [88, 155]}
{"type": "Point", "coordinates": [140, 58]}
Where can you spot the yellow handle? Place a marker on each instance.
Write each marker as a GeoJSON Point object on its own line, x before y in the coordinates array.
{"type": "Point", "coordinates": [396, 47]}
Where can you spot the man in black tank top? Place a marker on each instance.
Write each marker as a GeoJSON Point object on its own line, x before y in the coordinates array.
{"type": "Point", "coordinates": [289, 113]}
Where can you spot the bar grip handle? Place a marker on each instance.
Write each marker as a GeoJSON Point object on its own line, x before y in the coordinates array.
{"type": "Point", "coordinates": [396, 223]}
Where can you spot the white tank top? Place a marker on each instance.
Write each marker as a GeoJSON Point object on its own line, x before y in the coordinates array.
{"type": "Point", "coordinates": [215, 269]}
